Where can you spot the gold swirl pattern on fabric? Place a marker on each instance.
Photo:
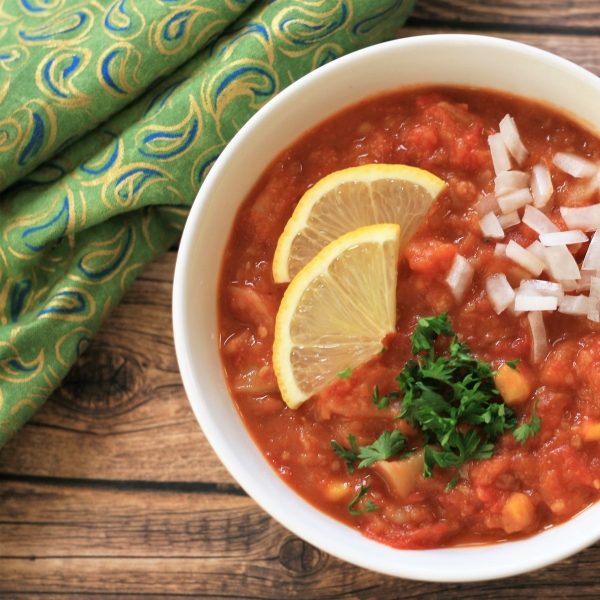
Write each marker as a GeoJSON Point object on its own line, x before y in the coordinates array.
{"type": "Point", "coordinates": [117, 69]}
{"type": "Point", "coordinates": [113, 113]}
{"type": "Point", "coordinates": [123, 20]}
{"type": "Point", "coordinates": [55, 76]}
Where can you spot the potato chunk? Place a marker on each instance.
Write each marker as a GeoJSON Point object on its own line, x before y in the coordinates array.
{"type": "Point", "coordinates": [518, 513]}
{"type": "Point", "coordinates": [590, 431]}
{"type": "Point", "coordinates": [402, 476]}
{"type": "Point", "coordinates": [513, 384]}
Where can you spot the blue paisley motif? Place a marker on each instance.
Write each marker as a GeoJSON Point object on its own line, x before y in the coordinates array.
{"type": "Point", "coordinates": [249, 29]}
{"type": "Point", "coordinates": [75, 61]}
{"type": "Point", "coordinates": [31, 230]}
{"type": "Point", "coordinates": [40, 33]}
{"type": "Point", "coordinates": [146, 174]}
{"type": "Point", "coordinates": [320, 31]}
{"type": "Point", "coordinates": [244, 71]}
{"type": "Point", "coordinates": [117, 6]}
{"type": "Point", "coordinates": [78, 306]}
{"type": "Point", "coordinates": [36, 139]}
{"type": "Point", "coordinates": [106, 71]}
{"type": "Point", "coordinates": [15, 364]}
{"type": "Point", "coordinates": [18, 295]}
{"type": "Point", "coordinates": [112, 267]}
{"type": "Point", "coordinates": [178, 21]}
{"type": "Point", "coordinates": [187, 140]}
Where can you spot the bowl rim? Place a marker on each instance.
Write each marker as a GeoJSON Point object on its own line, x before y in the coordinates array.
{"type": "Point", "coordinates": [211, 429]}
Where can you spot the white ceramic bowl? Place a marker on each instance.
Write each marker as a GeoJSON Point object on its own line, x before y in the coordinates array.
{"type": "Point", "coordinates": [441, 59]}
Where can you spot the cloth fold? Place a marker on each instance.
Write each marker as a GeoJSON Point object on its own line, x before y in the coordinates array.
{"type": "Point", "coordinates": [96, 183]}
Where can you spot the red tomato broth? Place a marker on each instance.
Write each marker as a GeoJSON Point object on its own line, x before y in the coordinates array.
{"type": "Point", "coordinates": [443, 130]}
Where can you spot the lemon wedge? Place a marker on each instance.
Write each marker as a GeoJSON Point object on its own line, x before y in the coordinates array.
{"type": "Point", "coordinates": [349, 199]}
{"type": "Point", "coordinates": [336, 311]}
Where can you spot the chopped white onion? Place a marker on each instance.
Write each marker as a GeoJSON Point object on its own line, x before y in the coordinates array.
{"type": "Point", "coordinates": [500, 156]}
{"type": "Point", "coordinates": [538, 221]}
{"type": "Point", "coordinates": [537, 249]}
{"type": "Point", "coordinates": [500, 250]}
{"type": "Point", "coordinates": [459, 277]}
{"type": "Point", "coordinates": [594, 305]}
{"type": "Point", "coordinates": [515, 200]}
{"type": "Point", "coordinates": [512, 140]}
{"type": "Point", "coordinates": [490, 226]}
{"type": "Point", "coordinates": [542, 288]}
{"type": "Point", "coordinates": [585, 218]}
{"type": "Point", "coordinates": [529, 302]}
{"type": "Point", "coordinates": [510, 181]}
{"type": "Point", "coordinates": [561, 263]}
{"type": "Point", "coordinates": [575, 236]}
{"type": "Point", "coordinates": [591, 261]}
{"type": "Point", "coordinates": [574, 165]}
{"type": "Point", "coordinates": [569, 285]}
{"type": "Point", "coordinates": [574, 305]}
{"type": "Point", "coordinates": [524, 258]}
{"type": "Point", "coordinates": [500, 292]}
{"type": "Point", "coordinates": [486, 204]}
{"type": "Point", "coordinates": [541, 185]}
{"type": "Point", "coordinates": [509, 219]}
{"type": "Point", "coordinates": [584, 282]}
{"type": "Point", "coordinates": [538, 334]}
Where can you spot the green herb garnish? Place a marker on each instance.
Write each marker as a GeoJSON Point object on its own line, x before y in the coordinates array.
{"type": "Point", "coordinates": [513, 363]}
{"type": "Point", "coordinates": [382, 402]}
{"type": "Point", "coordinates": [369, 506]}
{"type": "Point", "coordinates": [386, 446]}
{"type": "Point", "coordinates": [441, 392]}
{"type": "Point", "coordinates": [528, 428]}
{"type": "Point", "coordinates": [345, 374]}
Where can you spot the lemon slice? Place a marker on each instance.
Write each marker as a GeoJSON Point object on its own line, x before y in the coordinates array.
{"type": "Point", "coordinates": [352, 198]}
{"type": "Point", "coordinates": [336, 311]}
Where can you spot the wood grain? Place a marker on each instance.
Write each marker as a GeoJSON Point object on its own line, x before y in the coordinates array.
{"type": "Point", "coordinates": [540, 15]}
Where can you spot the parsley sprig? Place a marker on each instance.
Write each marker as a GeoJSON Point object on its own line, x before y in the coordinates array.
{"type": "Point", "coordinates": [528, 428]}
{"type": "Point", "coordinates": [388, 445]}
{"type": "Point", "coordinates": [453, 399]}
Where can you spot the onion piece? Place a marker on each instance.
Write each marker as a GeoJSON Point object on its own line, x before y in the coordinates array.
{"type": "Point", "coordinates": [585, 218]}
{"type": "Point", "coordinates": [529, 302]}
{"type": "Point", "coordinates": [490, 226]}
{"type": "Point", "coordinates": [538, 334]}
{"type": "Point", "coordinates": [500, 250]}
{"type": "Point", "coordinates": [591, 261]}
{"type": "Point", "coordinates": [500, 292]}
{"type": "Point", "coordinates": [541, 185]}
{"type": "Point", "coordinates": [585, 281]}
{"type": "Point", "coordinates": [574, 236]}
{"type": "Point", "coordinates": [509, 219]}
{"type": "Point", "coordinates": [512, 140]}
{"type": "Point", "coordinates": [561, 263]}
{"type": "Point", "coordinates": [524, 258]}
{"type": "Point", "coordinates": [542, 288]}
{"type": "Point", "coordinates": [459, 277]}
{"type": "Point", "coordinates": [574, 165]}
{"type": "Point", "coordinates": [486, 204]}
{"type": "Point", "coordinates": [574, 305]}
{"type": "Point", "coordinates": [515, 200]}
{"type": "Point", "coordinates": [538, 221]}
{"type": "Point", "coordinates": [500, 156]}
{"type": "Point", "coordinates": [537, 249]}
{"type": "Point", "coordinates": [594, 305]}
{"type": "Point", "coordinates": [510, 181]}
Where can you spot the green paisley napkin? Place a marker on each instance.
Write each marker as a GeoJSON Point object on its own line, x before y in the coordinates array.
{"type": "Point", "coordinates": [111, 115]}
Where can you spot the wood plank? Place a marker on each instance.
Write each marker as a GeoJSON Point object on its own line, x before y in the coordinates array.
{"type": "Point", "coordinates": [582, 50]}
{"type": "Point", "coordinates": [122, 412]}
{"type": "Point", "coordinates": [74, 540]}
{"type": "Point", "coordinates": [528, 14]}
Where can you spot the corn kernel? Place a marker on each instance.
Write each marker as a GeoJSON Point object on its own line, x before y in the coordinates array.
{"type": "Point", "coordinates": [590, 431]}
{"type": "Point", "coordinates": [518, 513]}
{"type": "Point", "coordinates": [514, 387]}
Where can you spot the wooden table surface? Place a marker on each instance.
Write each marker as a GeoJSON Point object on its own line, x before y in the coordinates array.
{"type": "Point", "coordinates": [112, 490]}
